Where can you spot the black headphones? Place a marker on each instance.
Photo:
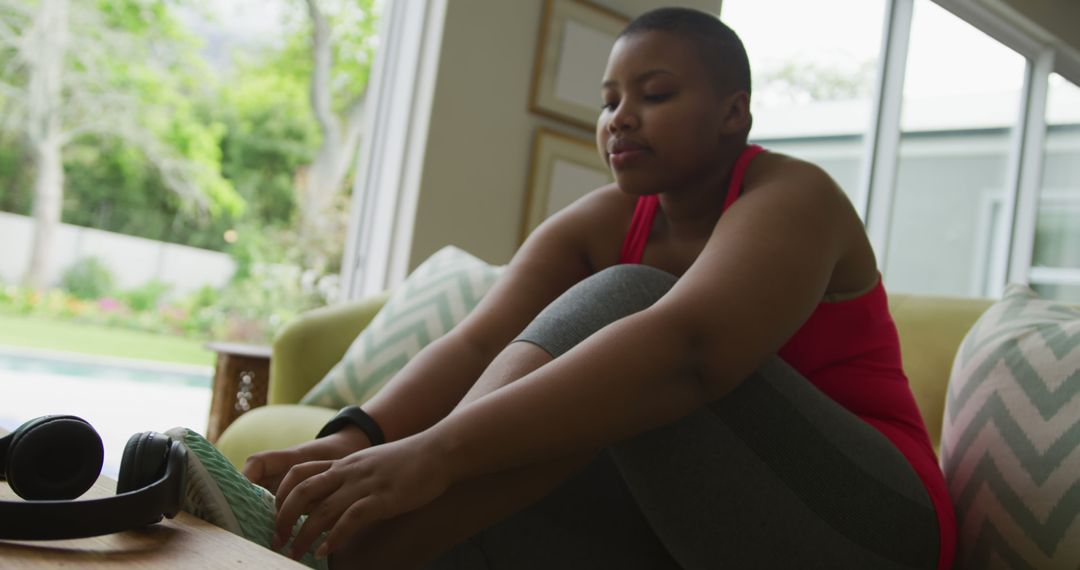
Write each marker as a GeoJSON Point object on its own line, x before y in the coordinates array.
{"type": "Point", "coordinates": [53, 459]}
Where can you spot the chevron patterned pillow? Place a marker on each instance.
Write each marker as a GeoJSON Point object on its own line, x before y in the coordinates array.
{"type": "Point", "coordinates": [1010, 443]}
{"type": "Point", "coordinates": [434, 298]}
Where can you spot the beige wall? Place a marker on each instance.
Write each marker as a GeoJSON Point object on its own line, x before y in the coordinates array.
{"type": "Point", "coordinates": [476, 162]}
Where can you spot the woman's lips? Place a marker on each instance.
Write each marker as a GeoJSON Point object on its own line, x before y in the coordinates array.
{"type": "Point", "coordinates": [625, 153]}
{"type": "Point", "coordinates": [627, 158]}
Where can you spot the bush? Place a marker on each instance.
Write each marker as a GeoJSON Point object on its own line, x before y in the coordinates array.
{"type": "Point", "coordinates": [145, 297]}
{"type": "Point", "coordinates": [251, 308]}
{"type": "Point", "coordinates": [8, 294]}
{"type": "Point", "coordinates": [87, 279]}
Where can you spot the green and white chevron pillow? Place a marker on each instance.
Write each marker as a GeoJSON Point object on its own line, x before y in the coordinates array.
{"type": "Point", "coordinates": [1010, 443]}
{"type": "Point", "coordinates": [432, 300]}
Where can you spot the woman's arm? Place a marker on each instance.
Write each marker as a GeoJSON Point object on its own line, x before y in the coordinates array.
{"type": "Point", "coordinates": [762, 273]}
{"type": "Point", "coordinates": [434, 381]}
{"type": "Point", "coordinates": [552, 259]}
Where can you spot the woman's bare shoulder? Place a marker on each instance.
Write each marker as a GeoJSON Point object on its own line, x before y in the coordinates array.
{"type": "Point", "coordinates": [589, 225]}
{"type": "Point", "coordinates": [607, 202]}
{"type": "Point", "coordinates": [800, 186]}
{"type": "Point", "coordinates": [772, 168]}
{"type": "Point", "coordinates": [600, 210]}
{"type": "Point", "coordinates": [811, 193]}
{"type": "Point", "coordinates": [604, 220]}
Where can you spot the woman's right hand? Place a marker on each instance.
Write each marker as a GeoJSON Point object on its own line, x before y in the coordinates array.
{"type": "Point", "coordinates": [269, 467]}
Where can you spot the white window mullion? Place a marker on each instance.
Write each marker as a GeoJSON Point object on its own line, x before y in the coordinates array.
{"type": "Point", "coordinates": [1026, 171]}
{"type": "Point", "coordinates": [878, 184]}
{"type": "Point", "coordinates": [398, 105]}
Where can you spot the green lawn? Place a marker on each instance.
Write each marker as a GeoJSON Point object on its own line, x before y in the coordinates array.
{"type": "Point", "coordinates": [60, 335]}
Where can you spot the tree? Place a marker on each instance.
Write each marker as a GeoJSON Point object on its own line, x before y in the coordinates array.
{"type": "Point", "coordinates": [293, 113]}
{"type": "Point", "coordinates": [805, 81]}
{"type": "Point", "coordinates": [68, 74]}
{"type": "Point", "coordinates": [340, 51]}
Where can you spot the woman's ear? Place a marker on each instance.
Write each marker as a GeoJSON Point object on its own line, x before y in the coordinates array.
{"type": "Point", "coordinates": [736, 114]}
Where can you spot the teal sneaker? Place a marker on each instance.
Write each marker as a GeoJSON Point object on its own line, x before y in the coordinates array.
{"type": "Point", "coordinates": [220, 495]}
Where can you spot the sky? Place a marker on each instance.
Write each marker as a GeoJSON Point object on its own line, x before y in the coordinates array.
{"type": "Point", "coordinates": [235, 23]}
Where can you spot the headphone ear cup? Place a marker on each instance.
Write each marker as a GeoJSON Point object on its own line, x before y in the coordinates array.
{"type": "Point", "coordinates": [144, 461]}
{"type": "Point", "coordinates": [54, 458]}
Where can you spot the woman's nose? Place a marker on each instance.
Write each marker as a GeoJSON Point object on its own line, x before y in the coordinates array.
{"type": "Point", "coordinates": [622, 119]}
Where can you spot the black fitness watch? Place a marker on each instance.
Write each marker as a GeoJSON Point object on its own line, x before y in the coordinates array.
{"type": "Point", "coordinates": [353, 415]}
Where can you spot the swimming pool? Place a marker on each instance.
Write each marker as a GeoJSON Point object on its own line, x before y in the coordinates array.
{"type": "Point", "coordinates": [91, 367]}
{"type": "Point", "coordinates": [118, 397]}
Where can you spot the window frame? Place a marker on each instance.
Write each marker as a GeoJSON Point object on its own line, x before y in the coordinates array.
{"type": "Point", "coordinates": [876, 194]}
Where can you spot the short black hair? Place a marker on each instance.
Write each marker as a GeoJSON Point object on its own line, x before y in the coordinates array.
{"type": "Point", "coordinates": [717, 44]}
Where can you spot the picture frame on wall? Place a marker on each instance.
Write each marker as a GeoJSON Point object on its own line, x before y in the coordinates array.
{"type": "Point", "coordinates": [563, 169]}
{"type": "Point", "coordinates": [575, 39]}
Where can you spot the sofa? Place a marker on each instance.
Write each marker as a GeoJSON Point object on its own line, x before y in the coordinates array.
{"type": "Point", "coordinates": [1010, 447]}
{"type": "Point", "coordinates": [931, 328]}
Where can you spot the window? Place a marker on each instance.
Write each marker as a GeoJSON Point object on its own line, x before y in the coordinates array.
{"type": "Point", "coordinates": [1056, 257]}
{"type": "Point", "coordinates": [813, 75]}
{"type": "Point", "coordinates": [961, 102]}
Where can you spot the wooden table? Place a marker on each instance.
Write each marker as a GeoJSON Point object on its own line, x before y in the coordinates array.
{"type": "Point", "coordinates": [181, 542]}
{"type": "Point", "coordinates": [241, 379]}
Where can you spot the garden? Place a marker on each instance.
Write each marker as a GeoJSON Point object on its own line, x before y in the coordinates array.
{"type": "Point", "coordinates": [88, 313]}
{"type": "Point", "coordinates": [218, 137]}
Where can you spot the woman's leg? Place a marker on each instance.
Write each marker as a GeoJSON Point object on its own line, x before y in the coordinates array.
{"type": "Point", "coordinates": [774, 475]}
{"type": "Point", "coordinates": [778, 475]}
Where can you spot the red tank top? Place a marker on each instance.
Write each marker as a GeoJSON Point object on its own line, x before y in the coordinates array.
{"type": "Point", "coordinates": [850, 350]}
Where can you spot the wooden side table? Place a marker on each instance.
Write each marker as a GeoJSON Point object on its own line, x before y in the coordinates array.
{"type": "Point", "coordinates": [241, 380]}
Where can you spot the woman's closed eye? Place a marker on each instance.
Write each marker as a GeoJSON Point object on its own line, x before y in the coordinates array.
{"type": "Point", "coordinates": [652, 98]}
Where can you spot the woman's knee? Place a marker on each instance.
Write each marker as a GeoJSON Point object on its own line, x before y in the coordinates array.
{"type": "Point", "coordinates": [631, 285]}
{"type": "Point", "coordinates": [594, 303]}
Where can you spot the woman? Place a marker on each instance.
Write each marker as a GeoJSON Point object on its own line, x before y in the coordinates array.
{"type": "Point", "coordinates": [643, 323]}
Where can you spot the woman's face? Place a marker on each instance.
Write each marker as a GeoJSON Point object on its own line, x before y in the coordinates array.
{"type": "Point", "coordinates": [661, 125]}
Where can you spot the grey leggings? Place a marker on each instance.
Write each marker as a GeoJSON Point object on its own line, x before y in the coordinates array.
{"type": "Point", "coordinates": [774, 475]}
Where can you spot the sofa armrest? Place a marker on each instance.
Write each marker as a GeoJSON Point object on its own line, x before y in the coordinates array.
{"type": "Point", "coordinates": [309, 346]}
{"type": "Point", "coordinates": [271, 427]}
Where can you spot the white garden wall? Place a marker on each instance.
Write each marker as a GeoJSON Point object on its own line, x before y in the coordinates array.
{"type": "Point", "coordinates": [133, 261]}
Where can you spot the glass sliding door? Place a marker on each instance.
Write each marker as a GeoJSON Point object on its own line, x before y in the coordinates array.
{"type": "Point", "coordinates": [961, 103]}
{"type": "Point", "coordinates": [1055, 268]}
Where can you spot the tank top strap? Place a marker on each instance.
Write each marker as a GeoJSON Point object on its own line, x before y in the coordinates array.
{"type": "Point", "coordinates": [633, 248]}
{"type": "Point", "coordinates": [739, 172]}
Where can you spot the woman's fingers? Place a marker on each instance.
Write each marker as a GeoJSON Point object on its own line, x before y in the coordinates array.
{"type": "Point", "coordinates": [254, 468]}
{"type": "Point", "coordinates": [272, 483]}
{"type": "Point", "coordinates": [359, 517]}
{"type": "Point", "coordinates": [321, 519]}
{"type": "Point", "coordinates": [268, 468]}
{"type": "Point", "coordinates": [304, 486]}
{"type": "Point", "coordinates": [297, 475]}
{"type": "Point", "coordinates": [349, 495]}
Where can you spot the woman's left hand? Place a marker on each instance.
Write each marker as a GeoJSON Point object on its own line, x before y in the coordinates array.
{"type": "Point", "coordinates": [349, 495]}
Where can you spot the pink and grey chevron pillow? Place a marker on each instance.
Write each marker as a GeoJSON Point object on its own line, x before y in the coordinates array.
{"type": "Point", "coordinates": [434, 298]}
{"type": "Point", "coordinates": [1010, 443]}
